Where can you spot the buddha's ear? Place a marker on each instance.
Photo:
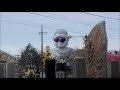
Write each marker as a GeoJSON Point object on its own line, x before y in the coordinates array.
{"type": "Point", "coordinates": [67, 40]}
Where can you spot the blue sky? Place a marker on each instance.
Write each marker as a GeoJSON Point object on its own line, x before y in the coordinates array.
{"type": "Point", "coordinates": [15, 34]}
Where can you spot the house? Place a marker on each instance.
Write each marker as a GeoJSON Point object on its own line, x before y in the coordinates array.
{"type": "Point", "coordinates": [8, 65]}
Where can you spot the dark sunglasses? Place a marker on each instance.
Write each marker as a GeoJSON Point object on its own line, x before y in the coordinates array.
{"type": "Point", "coordinates": [61, 39]}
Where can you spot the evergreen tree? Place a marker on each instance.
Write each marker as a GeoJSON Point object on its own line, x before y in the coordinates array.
{"type": "Point", "coordinates": [30, 59]}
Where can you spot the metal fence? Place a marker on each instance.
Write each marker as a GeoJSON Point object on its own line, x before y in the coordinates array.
{"type": "Point", "coordinates": [9, 70]}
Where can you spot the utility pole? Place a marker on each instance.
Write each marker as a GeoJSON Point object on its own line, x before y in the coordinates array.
{"type": "Point", "coordinates": [41, 39]}
{"type": "Point", "coordinates": [42, 45]}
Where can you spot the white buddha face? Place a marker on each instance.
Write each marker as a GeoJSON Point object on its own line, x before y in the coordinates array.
{"type": "Point", "coordinates": [61, 39]}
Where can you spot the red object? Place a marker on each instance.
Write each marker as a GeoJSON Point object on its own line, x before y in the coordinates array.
{"type": "Point", "coordinates": [113, 57]}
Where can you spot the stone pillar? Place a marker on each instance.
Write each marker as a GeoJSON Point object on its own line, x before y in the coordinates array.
{"type": "Point", "coordinates": [96, 52]}
{"type": "Point", "coordinates": [50, 68]}
{"type": "Point", "coordinates": [109, 69]}
{"type": "Point", "coordinates": [61, 70]}
{"type": "Point", "coordinates": [79, 68]}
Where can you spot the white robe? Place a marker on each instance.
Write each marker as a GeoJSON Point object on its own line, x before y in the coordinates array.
{"type": "Point", "coordinates": [63, 55]}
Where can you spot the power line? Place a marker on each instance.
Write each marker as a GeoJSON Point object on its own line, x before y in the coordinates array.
{"type": "Point", "coordinates": [80, 20]}
{"type": "Point", "coordinates": [66, 29]}
{"type": "Point", "coordinates": [30, 22]}
{"type": "Point", "coordinates": [99, 16]}
{"type": "Point", "coordinates": [113, 38]}
{"type": "Point", "coordinates": [108, 13]}
{"type": "Point", "coordinates": [59, 18]}
{"type": "Point", "coordinates": [110, 37]}
{"type": "Point", "coordinates": [67, 20]}
{"type": "Point", "coordinates": [70, 18]}
{"type": "Point", "coordinates": [39, 26]}
{"type": "Point", "coordinates": [20, 23]}
{"type": "Point", "coordinates": [35, 25]}
{"type": "Point", "coordinates": [25, 23]}
{"type": "Point", "coordinates": [53, 14]}
{"type": "Point", "coordinates": [116, 29]}
{"type": "Point", "coordinates": [18, 20]}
